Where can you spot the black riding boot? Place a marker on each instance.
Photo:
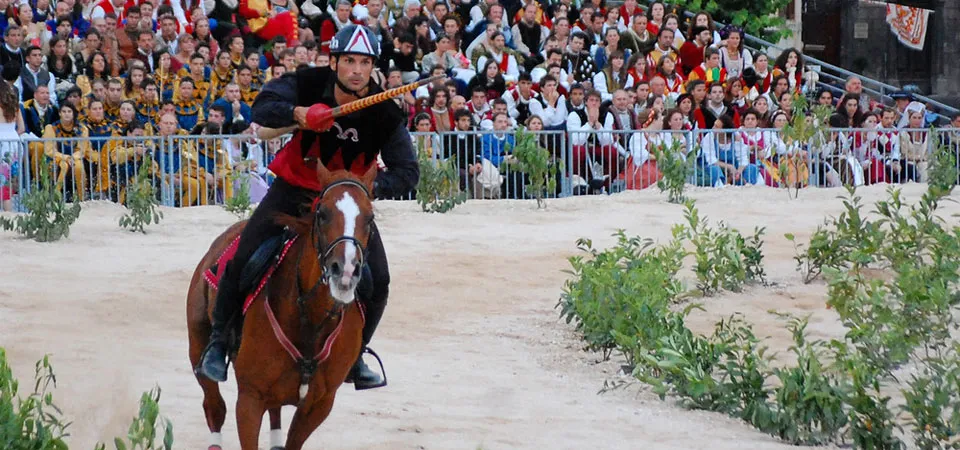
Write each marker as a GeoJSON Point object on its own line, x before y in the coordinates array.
{"type": "Point", "coordinates": [361, 375]}
{"type": "Point", "coordinates": [213, 363]}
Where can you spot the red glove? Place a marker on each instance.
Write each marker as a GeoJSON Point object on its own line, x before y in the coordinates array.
{"type": "Point", "coordinates": [320, 117]}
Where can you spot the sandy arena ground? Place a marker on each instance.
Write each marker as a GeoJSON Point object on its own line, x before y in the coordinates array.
{"type": "Point", "coordinates": [472, 343]}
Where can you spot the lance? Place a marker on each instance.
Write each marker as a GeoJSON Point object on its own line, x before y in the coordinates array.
{"type": "Point", "coordinates": [266, 133]}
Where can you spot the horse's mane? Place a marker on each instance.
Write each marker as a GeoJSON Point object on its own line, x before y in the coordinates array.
{"type": "Point", "coordinates": [303, 225]}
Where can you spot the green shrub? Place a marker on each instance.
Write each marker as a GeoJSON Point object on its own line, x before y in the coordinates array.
{"type": "Point", "coordinates": [239, 203]}
{"type": "Point", "coordinates": [724, 259]}
{"type": "Point", "coordinates": [146, 428]}
{"type": "Point", "coordinates": [535, 161]}
{"type": "Point", "coordinates": [142, 202]}
{"type": "Point", "coordinates": [48, 216]}
{"type": "Point", "coordinates": [439, 187]}
{"type": "Point", "coordinates": [34, 422]}
{"type": "Point", "coordinates": [676, 165]}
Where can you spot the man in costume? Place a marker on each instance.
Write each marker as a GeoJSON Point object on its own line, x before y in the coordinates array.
{"type": "Point", "coordinates": [351, 142]}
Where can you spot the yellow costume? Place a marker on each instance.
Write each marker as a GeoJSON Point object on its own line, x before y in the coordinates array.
{"type": "Point", "coordinates": [70, 153]}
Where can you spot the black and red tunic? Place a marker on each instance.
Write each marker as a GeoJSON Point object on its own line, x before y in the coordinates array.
{"type": "Point", "coordinates": [352, 143]}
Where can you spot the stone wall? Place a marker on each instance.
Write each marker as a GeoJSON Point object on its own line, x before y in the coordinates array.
{"type": "Point", "coordinates": [869, 47]}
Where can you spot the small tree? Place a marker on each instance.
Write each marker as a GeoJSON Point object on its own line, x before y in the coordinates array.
{"type": "Point", "coordinates": [799, 132]}
{"type": "Point", "coordinates": [676, 165]}
{"type": "Point", "coordinates": [145, 427]}
{"type": "Point", "coordinates": [942, 173]}
{"type": "Point", "coordinates": [439, 187]}
{"type": "Point", "coordinates": [535, 162]}
{"type": "Point", "coordinates": [49, 217]}
{"type": "Point", "coordinates": [239, 203]}
{"type": "Point", "coordinates": [142, 202]}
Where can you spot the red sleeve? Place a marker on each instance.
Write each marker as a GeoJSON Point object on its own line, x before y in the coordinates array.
{"type": "Point", "coordinates": [701, 121]}
{"type": "Point", "coordinates": [327, 32]}
{"type": "Point", "coordinates": [246, 12]}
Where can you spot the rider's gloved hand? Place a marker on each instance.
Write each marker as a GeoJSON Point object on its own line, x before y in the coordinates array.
{"type": "Point", "coordinates": [319, 117]}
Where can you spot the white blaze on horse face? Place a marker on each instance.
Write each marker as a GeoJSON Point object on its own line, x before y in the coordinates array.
{"type": "Point", "coordinates": [343, 290]}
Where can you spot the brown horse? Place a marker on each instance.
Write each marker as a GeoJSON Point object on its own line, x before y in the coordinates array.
{"type": "Point", "coordinates": [302, 331]}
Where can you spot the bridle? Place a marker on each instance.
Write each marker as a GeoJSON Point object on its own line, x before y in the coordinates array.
{"type": "Point", "coordinates": [309, 331]}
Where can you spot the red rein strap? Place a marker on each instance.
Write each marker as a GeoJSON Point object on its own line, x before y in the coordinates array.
{"type": "Point", "coordinates": [291, 349]}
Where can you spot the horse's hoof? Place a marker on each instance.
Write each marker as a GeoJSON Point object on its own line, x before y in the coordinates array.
{"type": "Point", "coordinates": [214, 447]}
{"type": "Point", "coordinates": [276, 448]}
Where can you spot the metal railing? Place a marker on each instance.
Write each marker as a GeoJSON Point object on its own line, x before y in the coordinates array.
{"type": "Point", "coordinates": [840, 75]}
{"type": "Point", "coordinates": [208, 170]}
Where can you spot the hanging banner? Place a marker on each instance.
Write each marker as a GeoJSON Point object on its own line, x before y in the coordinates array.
{"type": "Point", "coordinates": [909, 24]}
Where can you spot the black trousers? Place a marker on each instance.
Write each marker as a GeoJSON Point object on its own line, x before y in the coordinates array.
{"type": "Point", "coordinates": [285, 198]}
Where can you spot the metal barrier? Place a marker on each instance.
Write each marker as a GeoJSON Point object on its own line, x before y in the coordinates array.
{"type": "Point", "coordinates": [207, 170]}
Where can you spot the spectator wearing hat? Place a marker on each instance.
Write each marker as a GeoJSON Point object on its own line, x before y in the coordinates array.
{"type": "Point", "coordinates": [692, 51]}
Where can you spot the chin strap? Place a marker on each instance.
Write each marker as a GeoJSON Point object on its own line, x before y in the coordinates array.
{"type": "Point", "coordinates": [347, 90]}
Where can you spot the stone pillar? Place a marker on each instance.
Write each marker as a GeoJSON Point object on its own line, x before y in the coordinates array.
{"type": "Point", "coordinates": [946, 54]}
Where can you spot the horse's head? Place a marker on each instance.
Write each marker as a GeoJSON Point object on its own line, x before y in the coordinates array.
{"type": "Point", "coordinates": [342, 223]}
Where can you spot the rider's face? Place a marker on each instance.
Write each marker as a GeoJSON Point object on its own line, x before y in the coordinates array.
{"type": "Point", "coordinates": [354, 70]}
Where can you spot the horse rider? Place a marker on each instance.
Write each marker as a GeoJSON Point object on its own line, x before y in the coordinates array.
{"type": "Point", "coordinates": [351, 142]}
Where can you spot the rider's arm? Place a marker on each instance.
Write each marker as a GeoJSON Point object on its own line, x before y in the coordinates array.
{"type": "Point", "coordinates": [403, 171]}
{"type": "Point", "coordinates": [274, 106]}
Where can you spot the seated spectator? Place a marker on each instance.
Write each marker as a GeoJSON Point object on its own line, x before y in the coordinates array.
{"type": "Point", "coordinates": [189, 110]}
{"type": "Point", "coordinates": [11, 49]}
{"type": "Point", "coordinates": [267, 19]}
{"type": "Point", "coordinates": [530, 34]}
{"type": "Point", "coordinates": [673, 81]}
{"type": "Point", "coordinates": [914, 149]}
{"type": "Point", "coordinates": [790, 65]}
{"type": "Point", "coordinates": [199, 73]}
{"type": "Point", "coordinates": [710, 71]}
{"type": "Point", "coordinates": [424, 139]}
{"type": "Point", "coordinates": [234, 107]}
{"type": "Point", "coordinates": [703, 19]}
{"type": "Point", "coordinates": [519, 98]}
{"type": "Point", "coordinates": [610, 44]}
{"type": "Point", "coordinates": [221, 75]}
{"type": "Point", "coordinates": [637, 68]}
{"type": "Point", "coordinates": [825, 98]}
{"type": "Point", "coordinates": [594, 153]}
{"type": "Point", "coordinates": [782, 152]}
{"type": "Point", "coordinates": [719, 147]}
{"type": "Point", "coordinates": [762, 106]}
{"type": "Point", "coordinates": [405, 59]}
{"type": "Point", "coordinates": [215, 165]}
{"type": "Point", "coordinates": [478, 106]}
{"type": "Point", "coordinates": [864, 155]}
{"type": "Point", "coordinates": [780, 85]}
{"type": "Point", "coordinates": [39, 111]}
{"type": "Point", "coordinates": [445, 56]}
{"type": "Point", "coordinates": [714, 108]}
{"type": "Point", "coordinates": [464, 147]}
{"type": "Point", "coordinates": [121, 161]}
{"type": "Point", "coordinates": [758, 79]}
{"type": "Point", "coordinates": [613, 77]}
{"type": "Point", "coordinates": [496, 147]}
{"type": "Point", "coordinates": [58, 60]}
{"type": "Point", "coordinates": [663, 49]}
{"type": "Point", "coordinates": [734, 94]}
{"type": "Point", "coordinates": [692, 51]}
{"type": "Point", "coordinates": [72, 159]}
{"type": "Point", "coordinates": [638, 38]}
{"type": "Point", "coordinates": [33, 75]}
{"type": "Point", "coordinates": [672, 22]}
{"type": "Point", "coordinates": [550, 105]}
{"type": "Point", "coordinates": [112, 99]}
{"type": "Point", "coordinates": [439, 112]}
{"type": "Point", "coordinates": [578, 62]}
{"type": "Point", "coordinates": [178, 163]}
{"type": "Point", "coordinates": [499, 105]}
{"type": "Point", "coordinates": [506, 62]}
{"type": "Point", "coordinates": [490, 80]}
{"type": "Point", "coordinates": [733, 56]}
{"type": "Point", "coordinates": [888, 145]}
{"type": "Point", "coordinates": [624, 121]}
{"type": "Point", "coordinates": [554, 58]}
{"type": "Point", "coordinates": [753, 146]}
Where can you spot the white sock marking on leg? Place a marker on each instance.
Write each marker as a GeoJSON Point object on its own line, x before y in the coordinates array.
{"type": "Point", "coordinates": [276, 438]}
{"type": "Point", "coordinates": [216, 439]}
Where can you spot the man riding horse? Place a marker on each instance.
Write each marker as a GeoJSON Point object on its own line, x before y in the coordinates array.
{"type": "Point", "coordinates": [351, 142]}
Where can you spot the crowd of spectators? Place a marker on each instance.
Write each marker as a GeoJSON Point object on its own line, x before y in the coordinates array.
{"type": "Point", "coordinates": [612, 82]}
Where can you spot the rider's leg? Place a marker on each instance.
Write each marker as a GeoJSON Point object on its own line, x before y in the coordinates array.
{"type": "Point", "coordinates": [361, 375]}
{"type": "Point", "coordinates": [281, 198]}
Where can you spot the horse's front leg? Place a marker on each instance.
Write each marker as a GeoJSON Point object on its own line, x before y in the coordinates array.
{"type": "Point", "coordinates": [305, 421]}
{"type": "Point", "coordinates": [276, 433]}
{"type": "Point", "coordinates": [250, 409]}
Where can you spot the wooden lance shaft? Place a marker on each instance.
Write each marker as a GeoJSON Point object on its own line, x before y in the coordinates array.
{"type": "Point", "coordinates": [354, 106]}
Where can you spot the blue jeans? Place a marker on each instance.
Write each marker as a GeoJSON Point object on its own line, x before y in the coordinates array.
{"type": "Point", "coordinates": [751, 173]}
{"type": "Point", "coordinates": [709, 174]}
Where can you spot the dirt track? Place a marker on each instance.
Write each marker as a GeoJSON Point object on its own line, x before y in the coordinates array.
{"type": "Point", "coordinates": [473, 346]}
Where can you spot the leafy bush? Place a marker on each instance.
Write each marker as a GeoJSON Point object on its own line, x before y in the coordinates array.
{"type": "Point", "coordinates": [901, 311]}
{"type": "Point", "coordinates": [676, 165]}
{"type": "Point", "coordinates": [536, 163]}
{"type": "Point", "coordinates": [618, 293]}
{"type": "Point", "coordinates": [142, 203]}
{"type": "Point", "coordinates": [724, 259]}
{"type": "Point", "coordinates": [757, 17]}
{"type": "Point", "coordinates": [34, 422]}
{"type": "Point", "coordinates": [144, 429]}
{"type": "Point", "coordinates": [48, 217]}
{"type": "Point", "coordinates": [239, 203]}
{"type": "Point", "coordinates": [942, 173]}
{"type": "Point", "coordinates": [439, 187]}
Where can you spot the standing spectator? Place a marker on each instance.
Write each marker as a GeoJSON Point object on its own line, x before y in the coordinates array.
{"type": "Point", "coordinates": [914, 148]}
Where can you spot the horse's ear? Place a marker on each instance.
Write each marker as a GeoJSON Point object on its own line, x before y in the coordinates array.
{"type": "Point", "coordinates": [323, 175]}
{"type": "Point", "coordinates": [369, 177]}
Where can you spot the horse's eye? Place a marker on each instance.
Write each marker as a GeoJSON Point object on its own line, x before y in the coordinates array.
{"type": "Point", "coordinates": [323, 216]}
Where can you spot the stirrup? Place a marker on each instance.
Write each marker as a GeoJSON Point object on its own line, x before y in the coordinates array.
{"type": "Point", "coordinates": [383, 371]}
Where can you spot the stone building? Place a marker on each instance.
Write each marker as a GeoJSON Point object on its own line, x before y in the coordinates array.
{"type": "Point", "coordinates": [854, 35]}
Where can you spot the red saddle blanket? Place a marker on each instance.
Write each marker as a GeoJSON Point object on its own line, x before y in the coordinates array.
{"type": "Point", "coordinates": [214, 273]}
